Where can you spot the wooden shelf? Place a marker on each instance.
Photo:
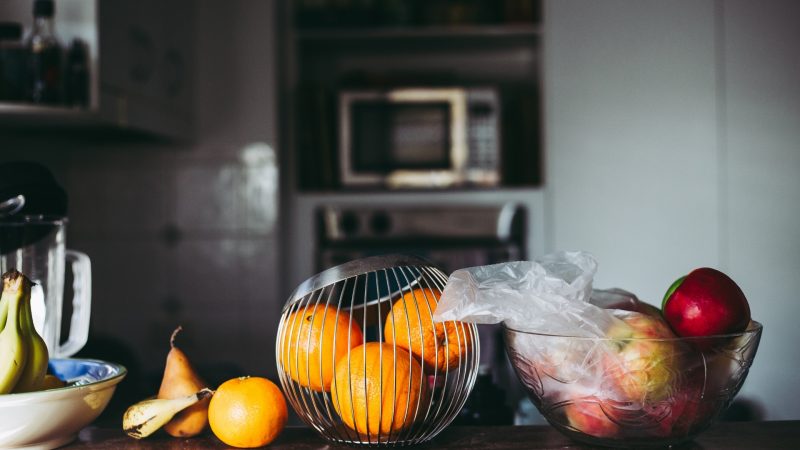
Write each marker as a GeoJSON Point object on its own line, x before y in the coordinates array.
{"type": "Point", "coordinates": [29, 115]}
{"type": "Point", "coordinates": [447, 32]}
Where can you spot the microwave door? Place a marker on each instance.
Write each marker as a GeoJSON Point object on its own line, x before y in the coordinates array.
{"type": "Point", "coordinates": [409, 137]}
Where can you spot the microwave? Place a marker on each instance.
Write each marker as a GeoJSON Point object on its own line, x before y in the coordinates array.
{"type": "Point", "coordinates": [419, 137]}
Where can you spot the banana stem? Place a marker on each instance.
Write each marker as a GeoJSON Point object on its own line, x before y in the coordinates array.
{"type": "Point", "coordinates": [14, 283]}
{"type": "Point", "coordinates": [204, 393]}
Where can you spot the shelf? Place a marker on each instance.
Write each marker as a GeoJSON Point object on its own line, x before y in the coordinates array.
{"type": "Point", "coordinates": [29, 109]}
{"type": "Point", "coordinates": [22, 119]}
{"type": "Point", "coordinates": [447, 32]}
{"type": "Point", "coordinates": [23, 114]}
{"type": "Point", "coordinates": [140, 79]}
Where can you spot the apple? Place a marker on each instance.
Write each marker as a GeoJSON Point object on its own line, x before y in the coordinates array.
{"type": "Point", "coordinates": [706, 302]}
{"type": "Point", "coordinates": [588, 417]}
{"type": "Point", "coordinates": [642, 359]}
{"type": "Point", "coordinates": [673, 416]}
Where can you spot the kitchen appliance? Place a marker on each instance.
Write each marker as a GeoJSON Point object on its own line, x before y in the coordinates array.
{"type": "Point", "coordinates": [378, 394]}
{"type": "Point", "coordinates": [33, 233]}
{"type": "Point", "coordinates": [452, 237]}
{"type": "Point", "coordinates": [35, 245]}
{"type": "Point", "coordinates": [420, 137]}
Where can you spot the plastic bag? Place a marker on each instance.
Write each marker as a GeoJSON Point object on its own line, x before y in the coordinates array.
{"type": "Point", "coordinates": [548, 296]}
{"type": "Point", "coordinates": [568, 341]}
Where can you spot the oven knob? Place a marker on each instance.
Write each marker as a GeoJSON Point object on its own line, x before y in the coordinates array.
{"type": "Point", "coordinates": [349, 223]}
{"type": "Point", "coordinates": [380, 223]}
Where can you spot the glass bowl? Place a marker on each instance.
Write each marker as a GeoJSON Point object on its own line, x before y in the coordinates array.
{"type": "Point", "coordinates": [632, 392]}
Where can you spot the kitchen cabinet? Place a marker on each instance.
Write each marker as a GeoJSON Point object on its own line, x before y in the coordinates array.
{"type": "Point", "coordinates": [140, 66]}
{"type": "Point", "coordinates": [334, 46]}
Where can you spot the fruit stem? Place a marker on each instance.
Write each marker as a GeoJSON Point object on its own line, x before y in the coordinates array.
{"type": "Point", "coordinates": [204, 393]}
{"type": "Point", "coordinates": [172, 338]}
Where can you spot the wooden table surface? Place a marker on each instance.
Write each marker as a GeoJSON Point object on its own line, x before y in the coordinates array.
{"type": "Point", "coordinates": [726, 435]}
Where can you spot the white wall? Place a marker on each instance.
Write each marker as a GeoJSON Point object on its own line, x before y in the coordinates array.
{"type": "Point", "coordinates": [672, 143]}
{"type": "Point", "coordinates": [760, 213]}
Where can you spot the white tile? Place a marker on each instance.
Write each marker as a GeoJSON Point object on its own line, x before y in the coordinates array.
{"type": "Point", "coordinates": [206, 275]}
{"type": "Point", "coordinates": [86, 197]}
{"type": "Point", "coordinates": [207, 197]}
{"type": "Point", "coordinates": [259, 196]}
{"type": "Point", "coordinates": [258, 190]}
{"type": "Point", "coordinates": [138, 200]}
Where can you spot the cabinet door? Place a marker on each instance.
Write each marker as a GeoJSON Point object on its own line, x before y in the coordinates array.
{"type": "Point", "coordinates": [146, 63]}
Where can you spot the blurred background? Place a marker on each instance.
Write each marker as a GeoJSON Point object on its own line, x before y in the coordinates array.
{"type": "Point", "coordinates": [215, 156]}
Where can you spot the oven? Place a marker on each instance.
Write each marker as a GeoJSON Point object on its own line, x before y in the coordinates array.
{"type": "Point", "coordinates": [451, 237]}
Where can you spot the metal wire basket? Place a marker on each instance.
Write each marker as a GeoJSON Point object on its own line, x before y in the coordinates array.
{"type": "Point", "coordinates": [360, 359]}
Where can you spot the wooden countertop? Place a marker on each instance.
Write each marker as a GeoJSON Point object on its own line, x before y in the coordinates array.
{"type": "Point", "coordinates": [727, 435]}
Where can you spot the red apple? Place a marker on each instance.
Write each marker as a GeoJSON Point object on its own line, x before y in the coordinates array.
{"type": "Point", "coordinates": [588, 417]}
{"type": "Point", "coordinates": [705, 303]}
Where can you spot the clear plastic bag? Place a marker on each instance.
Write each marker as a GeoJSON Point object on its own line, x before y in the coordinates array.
{"type": "Point", "coordinates": [548, 296]}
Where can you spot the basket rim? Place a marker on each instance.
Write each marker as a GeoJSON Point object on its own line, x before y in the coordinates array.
{"type": "Point", "coordinates": [355, 268]}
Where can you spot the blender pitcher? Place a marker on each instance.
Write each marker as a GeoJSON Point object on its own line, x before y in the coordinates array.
{"type": "Point", "coordinates": [35, 245]}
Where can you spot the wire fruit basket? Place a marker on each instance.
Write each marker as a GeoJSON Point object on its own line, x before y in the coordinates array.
{"type": "Point", "coordinates": [361, 360]}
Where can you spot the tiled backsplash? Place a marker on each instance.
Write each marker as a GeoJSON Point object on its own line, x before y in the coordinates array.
{"type": "Point", "coordinates": [176, 239]}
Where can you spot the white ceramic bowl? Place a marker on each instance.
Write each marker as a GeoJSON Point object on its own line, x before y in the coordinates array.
{"type": "Point", "coordinates": [52, 418]}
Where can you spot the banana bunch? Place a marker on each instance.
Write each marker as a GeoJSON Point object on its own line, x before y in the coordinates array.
{"type": "Point", "coordinates": [23, 353]}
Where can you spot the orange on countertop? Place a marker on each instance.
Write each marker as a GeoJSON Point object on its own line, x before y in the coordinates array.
{"type": "Point", "coordinates": [378, 389]}
{"type": "Point", "coordinates": [410, 325]}
{"type": "Point", "coordinates": [315, 337]}
{"type": "Point", "coordinates": [247, 412]}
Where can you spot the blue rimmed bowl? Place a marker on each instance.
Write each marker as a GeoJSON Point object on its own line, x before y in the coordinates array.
{"type": "Point", "coordinates": [52, 418]}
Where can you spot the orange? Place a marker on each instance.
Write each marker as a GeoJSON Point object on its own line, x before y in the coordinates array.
{"type": "Point", "coordinates": [314, 338]}
{"type": "Point", "coordinates": [247, 412]}
{"type": "Point", "coordinates": [440, 345]}
{"type": "Point", "coordinates": [379, 389]}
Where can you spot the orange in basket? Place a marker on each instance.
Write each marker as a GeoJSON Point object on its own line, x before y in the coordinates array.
{"type": "Point", "coordinates": [410, 325]}
{"type": "Point", "coordinates": [316, 337]}
{"type": "Point", "coordinates": [379, 389]}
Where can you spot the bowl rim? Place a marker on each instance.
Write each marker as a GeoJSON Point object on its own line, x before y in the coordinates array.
{"type": "Point", "coordinates": [62, 392]}
{"type": "Point", "coordinates": [753, 328]}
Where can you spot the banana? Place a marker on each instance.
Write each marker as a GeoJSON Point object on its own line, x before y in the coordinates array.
{"type": "Point", "coordinates": [13, 349]}
{"type": "Point", "coordinates": [33, 373]}
{"type": "Point", "coordinates": [3, 311]}
{"type": "Point", "coordinates": [144, 418]}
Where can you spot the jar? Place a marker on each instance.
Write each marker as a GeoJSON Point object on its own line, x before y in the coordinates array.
{"type": "Point", "coordinates": [12, 62]}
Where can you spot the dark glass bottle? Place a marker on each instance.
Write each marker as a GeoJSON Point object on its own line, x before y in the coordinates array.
{"type": "Point", "coordinates": [45, 56]}
{"type": "Point", "coordinates": [12, 62]}
{"type": "Point", "coordinates": [76, 90]}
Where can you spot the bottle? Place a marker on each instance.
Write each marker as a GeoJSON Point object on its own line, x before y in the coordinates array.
{"type": "Point", "coordinates": [45, 56]}
{"type": "Point", "coordinates": [12, 62]}
{"type": "Point", "coordinates": [76, 75]}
